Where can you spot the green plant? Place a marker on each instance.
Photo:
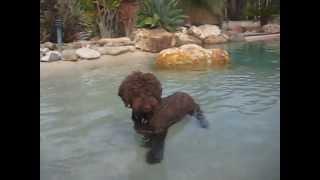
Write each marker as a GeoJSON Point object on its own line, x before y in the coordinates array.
{"type": "Point", "coordinates": [106, 16]}
{"type": "Point", "coordinates": [47, 17]}
{"type": "Point", "coordinates": [74, 19]}
{"type": "Point", "coordinates": [263, 9]}
{"type": "Point", "coordinates": [160, 13]}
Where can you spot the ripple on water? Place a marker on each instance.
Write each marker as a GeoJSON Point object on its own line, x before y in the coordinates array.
{"type": "Point", "coordinates": [86, 132]}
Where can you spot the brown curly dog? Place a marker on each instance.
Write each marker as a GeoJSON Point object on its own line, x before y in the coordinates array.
{"type": "Point", "coordinates": [141, 92]}
{"type": "Point", "coordinates": [152, 115]}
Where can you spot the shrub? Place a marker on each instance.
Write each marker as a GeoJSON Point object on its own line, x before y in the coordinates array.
{"type": "Point", "coordinates": [263, 9]}
{"type": "Point", "coordinates": [160, 13]}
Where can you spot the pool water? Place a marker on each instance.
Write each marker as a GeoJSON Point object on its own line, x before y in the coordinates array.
{"type": "Point", "coordinates": [86, 132]}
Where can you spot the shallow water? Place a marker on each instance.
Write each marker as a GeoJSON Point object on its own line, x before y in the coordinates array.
{"type": "Point", "coordinates": [86, 132]}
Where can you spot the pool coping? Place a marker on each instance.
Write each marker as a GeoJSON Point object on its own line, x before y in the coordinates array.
{"type": "Point", "coordinates": [257, 37]}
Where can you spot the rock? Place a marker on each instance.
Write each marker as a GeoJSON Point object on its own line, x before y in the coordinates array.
{"type": "Point", "coordinates": [271, 28]}
{"type": "Point", "coordinates": [114, 50]}
{"type": "Point", "coordinates": [220, 57]}
{"type": "Point", "coordinates": [183, 38]}
{"type": "Point", "coordinates": [80, 44]}
{"type": "Point", "coordinates": [237, 29]}
{"type": "Point", "coordinates": [43, 51]}
{"type": "Point", "coordinates": [204, 31]}
{"type": "Point", "coordinates": [215, 39]}
{"type": "Point", "coordinates": [195, 31]}
{"type": "Point", "coordinates": [182, 29]}
{"type": "Point", "coordinates": [153, 40]}
{"type": "Point", "coordinates": [69, 55]}
{"type": "Point", "coordinates": [191, 55]}
{"type": "Point", "coordinates": [49, 45]}
{"type": "Point", "coordinates": [235, 37]}
{"type": "Point", "coordinates": [253, 29]}
{"type": "Point", "coordinates": [122, 41]}
{"type": "Point", "coordinates": [224, 35]}
{"type": "Point", "coordinates": [87, 53]}
{"type": "Point", "coordinates": [51, 56]}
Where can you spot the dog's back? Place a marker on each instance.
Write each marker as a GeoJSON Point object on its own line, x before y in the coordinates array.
{"type": "Point", "coordinates": [173, 108]}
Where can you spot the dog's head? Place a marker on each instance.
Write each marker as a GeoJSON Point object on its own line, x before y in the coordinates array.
{"type": "Point", "coordinates": [142, 89]}
{"type": "Point", "coordinates": [144, 104]}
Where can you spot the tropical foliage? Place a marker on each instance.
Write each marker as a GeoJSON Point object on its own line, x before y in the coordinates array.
{"type": "Point", "coordinates": [160, 13]}
{"type": "Point", "coordinates": [263, 9]}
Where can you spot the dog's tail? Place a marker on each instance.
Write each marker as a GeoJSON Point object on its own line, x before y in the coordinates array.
{"type": "Point", "coordinates": [198, 114]}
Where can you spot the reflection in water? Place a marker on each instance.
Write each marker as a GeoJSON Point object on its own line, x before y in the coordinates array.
{"type": "Point", "coordinates": [86, 133]}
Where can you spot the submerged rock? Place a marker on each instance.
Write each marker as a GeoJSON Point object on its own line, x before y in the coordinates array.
{"type": "Point", "coordinates": [87, 53]}
{"type": "Point", "coordinates": [153, 40]}
{"type": "Point", "coordinates": [69, 55]}
{"type": "Point", "coordinates": [191, 55]}
{"type": "Point", "coordinates": [51, 56]}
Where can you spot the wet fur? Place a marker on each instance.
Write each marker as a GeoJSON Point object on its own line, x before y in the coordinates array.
{"type": "Point", "coordinates": [172, 110]}
{"type": "Point", "coordinates": [153, 115]}
{"type": "Point", "coordinates": [139, 84]}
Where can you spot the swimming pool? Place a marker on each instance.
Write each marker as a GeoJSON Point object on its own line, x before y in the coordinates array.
{"type": "Point", "coordinates": [86, 132]}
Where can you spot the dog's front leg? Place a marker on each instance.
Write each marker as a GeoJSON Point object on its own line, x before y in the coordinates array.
{"type": "Point", "coordinates": [155, 155]}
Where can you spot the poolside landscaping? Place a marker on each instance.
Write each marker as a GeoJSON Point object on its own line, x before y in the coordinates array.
{"type": "Point", "coordinates": [157, 40]}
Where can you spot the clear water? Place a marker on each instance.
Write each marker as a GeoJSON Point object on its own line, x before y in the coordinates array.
{"type": "Point", "coordinates": [86, 132]}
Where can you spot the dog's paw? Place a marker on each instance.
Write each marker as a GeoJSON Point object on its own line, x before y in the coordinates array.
{"type": "Point", "coordinates": [204, 123]}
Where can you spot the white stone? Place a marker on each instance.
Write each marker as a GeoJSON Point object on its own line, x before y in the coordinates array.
{"type": "Point", "coordinates": [51, 56]}
{"type": "Point", "coordinates": [87, 53]}
{"type": "Point", "coordinates": [106, 50]}
{"type": "Point", "coordinates": [204, 31]}
{"type": "Point", "coordinates": [271, 28]}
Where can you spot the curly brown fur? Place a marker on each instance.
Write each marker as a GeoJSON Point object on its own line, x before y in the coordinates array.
{"type": "Point", "coordinates": [139, 85]}
{"type": "Point", "coordinates": [153, 115]}
{"type": "Point", "coordinates": [171, 110]}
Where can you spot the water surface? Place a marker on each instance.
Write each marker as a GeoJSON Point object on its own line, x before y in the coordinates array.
{"type": "Point", "coordinates": [86, 132]}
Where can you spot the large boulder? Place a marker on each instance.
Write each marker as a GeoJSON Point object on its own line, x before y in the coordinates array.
{"type": "Point", "coordinates": [204, 31]}
{"type": "Point", "coordinates": [87, 53]}
{"type": "Point", "coordinates": [51, 56]}
{"type": "Point", "coordinates": [215, 39]}
{"type": "Point", "coordinates": [184, 38]}
{"type": "Point", "coordinates": [191, 56]}
{"type": "Point", "coordinates": [153, 40]}
{"type": "Point", "coordinates": [122, 41]}
{"type": "Point", "coordinates": [271, 28]}
{"type": "Point", "coordinates": [106, 50]}
{"type": "Point", "coordinates": [69, 55]}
